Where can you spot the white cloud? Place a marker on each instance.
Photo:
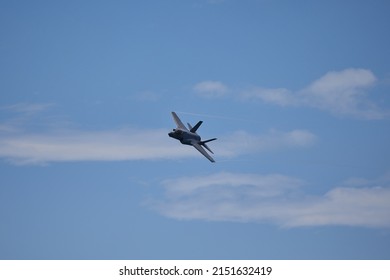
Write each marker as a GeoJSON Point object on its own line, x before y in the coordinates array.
{"type": "Point", "coordinates": [278, 96]}
{"type": "Point", "coordinates": [338, 92]}
{"type": "Point", "coordinates": [342, 93]}
{"type": "Point", "coordinates": [343, 81]}
{"type": "Point", "coordinates": [273, 198]}
{"type": "Point", "coordinates": [131, 144]}
{"type": "Point", "coordinates": [74, 145]}
{"type": "Point", "coordinates": [189, 185]}
{"type": "Point", "coordinates": [56, 144]}
{"type": "Point", "coordinates": [344, 206]}
{"type": "Point", "coordinates": [210, 89]}
{"type": "Point", "coordinates": [242, 142]}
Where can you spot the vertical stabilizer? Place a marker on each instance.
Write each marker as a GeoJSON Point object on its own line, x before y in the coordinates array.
{"type": "Point", "coordinates": [195, 128]}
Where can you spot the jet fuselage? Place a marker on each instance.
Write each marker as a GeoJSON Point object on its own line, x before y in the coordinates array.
{"type": "Point", "coordinates": [185, 137]}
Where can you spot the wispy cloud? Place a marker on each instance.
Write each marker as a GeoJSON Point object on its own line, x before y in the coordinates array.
{"type": "Point", "coordinates": [278, 96]}
{"type": "Point", "coordinates": [131, 144]}
{"type": "Point", "coordinates": [274, 198]}
{"type": "Point", "coordinates": [28, 108]}
{"type": "Point", "coordinates": [243, 142]}
{"type": "Point", "coordinates": [341, 93]}
{"type": "Point", "coordinates": [211, 89]}
{"type": "Point", "coordinates": [22, 143]}
{"type": "Point", "coordinates": [76, 145]}
{"type": "Point", "coordinates": [20, 114]}
{"type": "Point", "coordinates": [338, 92]}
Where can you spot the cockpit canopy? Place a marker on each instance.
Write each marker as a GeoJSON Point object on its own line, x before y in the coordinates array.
{"type": "Point", "coordinates": [177, 131]}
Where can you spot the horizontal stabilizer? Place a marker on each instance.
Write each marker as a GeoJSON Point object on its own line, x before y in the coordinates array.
{"type": "Point", "coordinates": [207, 147]}
{"type": "Point", "coordinates": [204, 142]}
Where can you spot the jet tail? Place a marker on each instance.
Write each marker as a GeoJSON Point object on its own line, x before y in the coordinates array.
{"type": "Point", "coordinates": [206, 141]}
{"type": "Point", "coordinates": [203, 143]}
{"type": "Point", "coordinates": [195, 128]}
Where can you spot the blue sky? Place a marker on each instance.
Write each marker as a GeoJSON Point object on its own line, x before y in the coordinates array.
{"type": "Point", "coordinates": [295, 91]}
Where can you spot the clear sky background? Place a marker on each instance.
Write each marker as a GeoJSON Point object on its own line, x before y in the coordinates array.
{"type": "Point", "coordinates": [297, 93]}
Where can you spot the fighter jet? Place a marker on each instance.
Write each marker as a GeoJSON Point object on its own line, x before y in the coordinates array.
{"type": "Point", "coordinates": [190, 137]}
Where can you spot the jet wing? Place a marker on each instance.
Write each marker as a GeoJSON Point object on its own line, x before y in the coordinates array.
{"type": "Point", "coordinates": [202, 151]}
{"type": "Point", "coordinates": [178, 122]}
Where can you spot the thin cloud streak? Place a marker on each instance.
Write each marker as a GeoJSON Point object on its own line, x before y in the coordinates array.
{"type": "Point", "coordinates": [28, 108]}
{"type": "Point", "coordinates": [63, 145]}
{"type": "Point", "coordinates": [75, 145]}
{"type": "Point", "coordinates": [242, 142]}
{"type": "Point", "coordinates": [273, 198]}
{"type": "Point", "coordinates": [132, 144]}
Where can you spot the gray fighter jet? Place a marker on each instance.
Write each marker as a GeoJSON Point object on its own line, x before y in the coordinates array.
{"type": "Point", "coordinates": [190, 137]}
